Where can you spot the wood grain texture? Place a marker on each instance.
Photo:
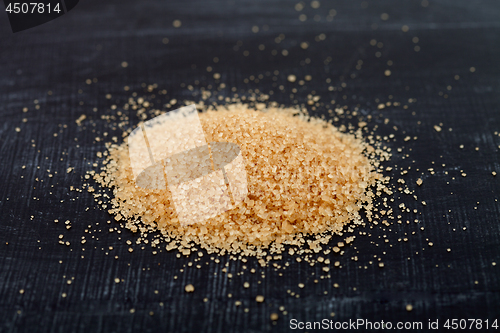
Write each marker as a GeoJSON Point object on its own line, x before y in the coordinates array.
{"type": "Point", "coordinates": [96, 37]}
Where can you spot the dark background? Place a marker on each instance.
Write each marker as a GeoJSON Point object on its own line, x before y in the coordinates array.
{"type": "Point", "coordinates": [51, 63]}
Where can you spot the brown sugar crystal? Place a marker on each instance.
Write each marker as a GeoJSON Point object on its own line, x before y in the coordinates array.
{"type": "Point", "coordinates": [305, 176]}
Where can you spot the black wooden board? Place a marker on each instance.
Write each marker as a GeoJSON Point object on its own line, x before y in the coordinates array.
{"type": "Point", "coordinates": [92, 41]}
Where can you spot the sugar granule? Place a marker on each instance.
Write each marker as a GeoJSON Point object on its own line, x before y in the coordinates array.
{"type": "Point", "coordinates": [304, 177]}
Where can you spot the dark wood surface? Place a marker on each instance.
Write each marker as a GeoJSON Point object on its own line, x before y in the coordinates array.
{"type": "Point", "coordinates": [462, 213]}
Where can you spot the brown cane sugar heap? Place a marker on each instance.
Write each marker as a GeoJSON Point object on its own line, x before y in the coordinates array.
{"type": "Point", "coordinates": [305, 177]}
